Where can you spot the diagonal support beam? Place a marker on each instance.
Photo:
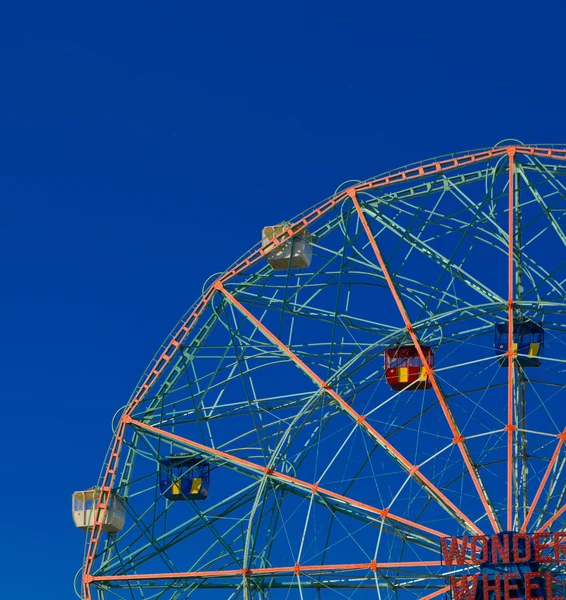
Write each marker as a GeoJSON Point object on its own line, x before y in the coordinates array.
{"type": "Point", "coordinates": [360, 420]}
{"type": "Point", "coordinates": [458, 438]}
{"type": "Point", "coordinates": [443, 590]}
{"type": "Point", "coordinates": [561, 440]}
{"type": "Point", "coordinates": [304, 486]}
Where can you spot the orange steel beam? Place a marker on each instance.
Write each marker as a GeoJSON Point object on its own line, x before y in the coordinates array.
{"type": "Point", "coordinates": [458, 438]}
{"type": "Point", "coordinates": [437, 593]}
{"type": "Point", "coordinates": [561, 440]}
{"type": "Point", "coordinates": [110, 473]}
{"type": "Point", "coordinates": [262, 572]}
{"type": "Point", "coordinates": [360, 420]}
{"type": "Point", "coordinates": [510, 428]}
{"type": "Point", "coordinates": [278, 476]}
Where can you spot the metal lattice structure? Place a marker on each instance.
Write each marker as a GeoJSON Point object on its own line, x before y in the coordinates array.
{"type": "Point", "coordinates": [324, 482]}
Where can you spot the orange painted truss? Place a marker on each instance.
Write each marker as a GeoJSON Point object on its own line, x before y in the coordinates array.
{"type": "Point", "coordinates": [510, 360]}
{"type": "Point", "coordinates": [295, 570]}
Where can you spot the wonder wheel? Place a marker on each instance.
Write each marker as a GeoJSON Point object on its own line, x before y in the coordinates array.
{"type": "Point", "coordinates": [384, 371]}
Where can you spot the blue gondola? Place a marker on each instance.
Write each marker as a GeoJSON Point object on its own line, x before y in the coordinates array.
{"type": "Point", "coordinates": [184, 477]}
{"type": "Point", "coordinates": [528, 342]}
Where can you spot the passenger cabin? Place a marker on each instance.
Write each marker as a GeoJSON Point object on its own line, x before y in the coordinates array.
{"type": "Point", "coordinates": [184, 477]}
{"type": "Point", "coordinates": [405, 370]}
{"type": "Point", "coordinates": [295, 253]}
{"type": "Point", "coordinates": [84, 509]}
{"type": "Point", "coordinates": [528, 342]}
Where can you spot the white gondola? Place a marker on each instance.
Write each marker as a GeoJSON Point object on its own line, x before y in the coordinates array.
{"type": "Point", "coordinates": [84, 504]}
{"type": "Point", "coordinates": [296, 253]}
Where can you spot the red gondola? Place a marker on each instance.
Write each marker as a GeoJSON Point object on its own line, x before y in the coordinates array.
{"type": "Point", "coordinates": [405, 370]}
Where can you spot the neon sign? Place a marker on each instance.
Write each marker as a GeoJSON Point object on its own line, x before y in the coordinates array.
{"type": "Point", "coordinates": [511, 565]}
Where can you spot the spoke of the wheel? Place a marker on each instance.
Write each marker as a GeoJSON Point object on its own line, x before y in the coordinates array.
{"type": "Point", "coordinates": [310, 488]}
{"type": "Point", "coordinates": [458, 438]}
{"type": "Point", "coordinates": [555, 482]}
{"type": "Point", "coordinates": [561, 440]}
{"type": "Point", "coordinates": [262, 572]}
{"type": "Point", "coordinates": [437, 593]}
{"type": "Point", "coordinates": [360, 420]}
{"type": "Point", "coordinates": [510, 428]}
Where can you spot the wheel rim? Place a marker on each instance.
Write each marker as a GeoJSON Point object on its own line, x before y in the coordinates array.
{"type": "Point", "coordinates": [324, 481]}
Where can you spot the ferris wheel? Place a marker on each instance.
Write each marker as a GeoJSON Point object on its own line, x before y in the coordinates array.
{"type": "Point", "coordinates": [381, 374]}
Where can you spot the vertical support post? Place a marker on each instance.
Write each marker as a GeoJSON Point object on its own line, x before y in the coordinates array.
{"type": "Point", "coordinates": [510, 428]}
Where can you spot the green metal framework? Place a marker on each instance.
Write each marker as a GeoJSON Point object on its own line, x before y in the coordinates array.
{"type": "Point", "coordinates": [325, 482]}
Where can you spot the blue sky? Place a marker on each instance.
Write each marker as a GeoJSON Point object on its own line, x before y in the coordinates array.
{"type": "Point", "coordinates": [144, 146]}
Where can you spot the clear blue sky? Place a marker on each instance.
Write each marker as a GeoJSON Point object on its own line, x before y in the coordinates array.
{"type": "Point", "coordinates": [143, 147]}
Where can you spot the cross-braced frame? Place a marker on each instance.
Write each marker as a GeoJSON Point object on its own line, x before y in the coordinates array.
{"type": "Point", "coordinates": [325, 481]}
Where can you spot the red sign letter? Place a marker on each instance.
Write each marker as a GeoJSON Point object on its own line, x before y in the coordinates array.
{"type": "Point", "coordinates": [540, 547]}
{"type": "Point", "coordinates": [462, 590]}
{"type": "Point", "coordinates": [516, 556]}
{"type": "Point", "coordinates": [454, 555]}
{"type": "Point", "coordinates": [507, 587]}
{"type": "Point", "coordinates": [529, 585]}
{"type": "Point", "coordinates": [474, 549]}
{"type": "Point", "coordinates": [558, 547]}
{"type": "Point", "coordinates": [496, 587]}
{"type": "Point", "coordinates": [548, 582]}
{"type": "Point", "coordinates": [498, 549]}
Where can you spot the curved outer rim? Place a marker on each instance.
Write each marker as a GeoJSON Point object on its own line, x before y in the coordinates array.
{"type": "Point", "coordinates": [180, 333]}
